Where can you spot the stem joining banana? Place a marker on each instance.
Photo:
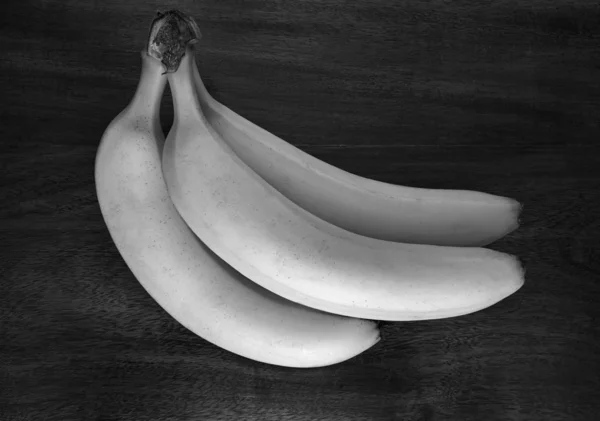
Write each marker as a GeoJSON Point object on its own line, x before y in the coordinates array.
{"type": "Point", "coordinates": [281, 246]}
{"type": "Point", "coordinates": [185, 278]}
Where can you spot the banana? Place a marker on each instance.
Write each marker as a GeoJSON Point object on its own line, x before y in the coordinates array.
{"type": "Point", "coordinates": [357, 204]}
{"type": "Point", "coordinates": [185, 278]}
{"type": "Point", "coordinates": [284, 248]}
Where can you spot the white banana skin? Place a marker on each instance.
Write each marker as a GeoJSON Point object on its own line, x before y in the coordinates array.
{"type": "Point", "coordinates": [279, 245]}
{"type": "Point", "coordinates": [357, 204]}
{"type": "Point", "coordinates": [193, 285]}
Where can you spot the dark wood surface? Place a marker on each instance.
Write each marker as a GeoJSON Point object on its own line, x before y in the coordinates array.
{"type": "Point", "coordinates": [497, 96]}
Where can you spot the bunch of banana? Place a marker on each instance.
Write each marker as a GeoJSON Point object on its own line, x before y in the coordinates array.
{"type": "Point", "coordinates": [268, 252]}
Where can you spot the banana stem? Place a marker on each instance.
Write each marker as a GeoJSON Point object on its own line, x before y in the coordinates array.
{"type": "Point", "coordinates": [146, 101]}
{"type": "Point", "coordinates": [170, 34]}
{"type": "Point", "coordinates": [185, 98]}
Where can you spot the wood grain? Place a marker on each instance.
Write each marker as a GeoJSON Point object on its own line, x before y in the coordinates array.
{"type": "Point", "coordinates": [501, 96]}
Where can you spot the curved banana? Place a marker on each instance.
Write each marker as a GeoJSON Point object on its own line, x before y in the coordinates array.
{"type": "Point", "coordinates": [357, 204]}
{"type": "Point", "coordinates": [279, 245]}
{"type": "Point", "coordinates": [193, 285]}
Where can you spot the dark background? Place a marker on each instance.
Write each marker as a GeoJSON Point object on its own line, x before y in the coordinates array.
{"type": "Point", "coordinates": [498, 96]}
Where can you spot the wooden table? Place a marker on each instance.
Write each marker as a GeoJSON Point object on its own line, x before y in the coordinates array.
{"type": "Point", "coordinates": [502, 97]}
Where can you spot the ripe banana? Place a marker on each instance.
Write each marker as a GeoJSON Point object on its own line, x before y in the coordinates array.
{"type": "Point", "coordinates": [282, 247]}
{"type": "Point", "coordinates": [357, 204]}
{"type": "Point", "coordinates": [193, 285]}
